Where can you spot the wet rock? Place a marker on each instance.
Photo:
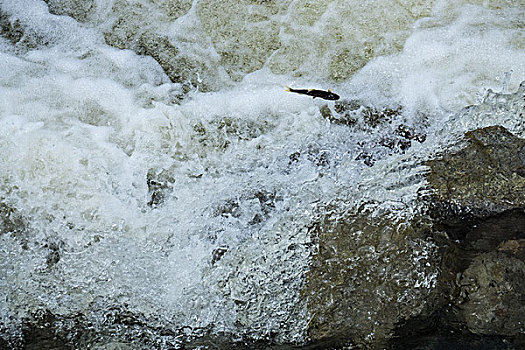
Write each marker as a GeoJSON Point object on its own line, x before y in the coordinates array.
{"type": "Point", "coordinates": [12, 223]}
{"type": "Point", "coordinates": [294, 157]}
{"type": "Point", "coordinates": [19, 34]}
{"type": "Point", "coordinates": [121, 328]}
{"type": "Point", "coordinates": [409, 133]}
{"type": "Point", "coordinates": [349, 112]}
{"type": "Point", "coordinates": [514, 247]}
{"type": "Point", "coordinates": [178, 68]}
{"type": "Point", "coordinates": [10, 29]}
{"type": "Point", "coordinates": [373, 117]}
{"type": "Point", "coordinates": [130, 32]}
{"type": "Point", "coordinates": [53, 256]}
{"type": "Point", "coordinates": [447, 338]}
{"type": "Point", "coordinates": [454, 272]}
{"type": "Point", "coordinates": [370, 273]}
{"type": "Point", "coordinates": [160, 184]}
{"type": "Point", "coordinates": [229, 208]}
{"type": "Point", "coordinates": [347, 61]}
{"type": "Point", "coordinates": [43, 330]}
{"type": "Point", "coordinates": [244, 38]}
{"type": "Point", "coordinates": [366, 157]}
{"type": "Point", "coordinates": [372, 120]}
{"type": "Point", "coordinates": [79, 10]}
{"type": "Point", "coordinates": [478, 199]}
{"type": "Point", "coordinates": [314, 154]}
{"type": "Point", "coordinates": [176, 8]}
{"type": "Point", "coordinates": [342, 118]}
{"type": "Point", "coordinates": [217, 254]}
{"type": "Point", "coordinates": [115, 346]}
{"type": "Point", "coordinates": [221, 132]}
{"type": "Point", "coordinates": [252, 207]}
{"type": "Point", "coordinates": [493, 294]}
{"type": "Point", "coordinates": [484, 178]}
{"type": "Point", "coordinates": [479, 206]}
{"type": "Point", "coordinates": [159, 47]}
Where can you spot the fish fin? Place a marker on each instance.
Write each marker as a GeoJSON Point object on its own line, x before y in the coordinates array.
{"type": "Point", "coordinates": [288, 88]}
{"type": "Point", "coordinates": [310, 90]}
{"type": "Point", "coordinates": [315, 97]}
{"type": "Point", "coordinates": [329, 90]}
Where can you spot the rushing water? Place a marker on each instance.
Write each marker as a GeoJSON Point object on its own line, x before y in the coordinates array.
{"type": "Point", "coordinates": [150, 156]}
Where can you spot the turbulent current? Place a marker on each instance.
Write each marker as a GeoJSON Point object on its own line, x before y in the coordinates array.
{"type": "Point", "coordinates": [158, 183]}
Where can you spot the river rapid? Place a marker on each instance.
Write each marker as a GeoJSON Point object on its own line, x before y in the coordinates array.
{"type": "Point", "coordinates": [151, 160]}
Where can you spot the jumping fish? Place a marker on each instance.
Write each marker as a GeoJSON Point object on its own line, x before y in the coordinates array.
{"type": "Point", "coordinates": [327, 95]}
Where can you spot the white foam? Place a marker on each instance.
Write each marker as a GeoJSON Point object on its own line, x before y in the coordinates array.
{"type": "Point", "coordinates": [447, 63]}
{"type": "Point", "coordinates": [42, 28]}
{"type": "Point", "coordinates": [82, 124]}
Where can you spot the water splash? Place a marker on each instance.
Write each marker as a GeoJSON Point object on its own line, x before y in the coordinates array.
{"type": "Point", "coordinates": [156, 179]}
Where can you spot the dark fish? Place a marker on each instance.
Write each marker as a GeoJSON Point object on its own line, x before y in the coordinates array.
{"type": "Point", "coordinates": [327, 95]}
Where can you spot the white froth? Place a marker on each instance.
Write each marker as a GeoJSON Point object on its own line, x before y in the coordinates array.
{"type": "Point", "coordinates": [59, 33]}
{"type": "Point", "coordinates": [449, 61]}
{"type": "Point", "coordinates": [82, 124]}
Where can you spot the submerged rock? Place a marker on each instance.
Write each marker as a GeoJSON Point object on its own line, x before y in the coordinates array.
{"type": "Point", "coordinates": [19, 34]}
{"type": "Point", "coordinates": [10, 29]}
{"type": "Point", "coordinates": [79, 10]}
{"type": "Point", "coordinates": [160, 184]}
{"type": "Point", "coordinates": [12, 223]}
{"type": "Point", "coordinates": [373, 121]}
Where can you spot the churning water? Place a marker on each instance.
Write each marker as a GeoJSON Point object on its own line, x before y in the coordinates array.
{"type": "Point", "coordinates": [151, 159]}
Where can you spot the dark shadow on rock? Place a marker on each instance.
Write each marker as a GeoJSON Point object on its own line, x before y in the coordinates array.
{"type": "Point", "coordinates": [478, 210]}
{"type": "Point", "coordinates": [450, 339]}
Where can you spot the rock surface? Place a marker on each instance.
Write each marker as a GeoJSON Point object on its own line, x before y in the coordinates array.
{"type": "Point", "coordinates": [371, 272]}
{"type": "Point", "coordinates": [453, 273]}
{"type": "Point", "coordinates": [479, 204]}
{"type": "Point", "coordinates": [484, 178]}
{"type": "Point", "coordinates": [459, 266]}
